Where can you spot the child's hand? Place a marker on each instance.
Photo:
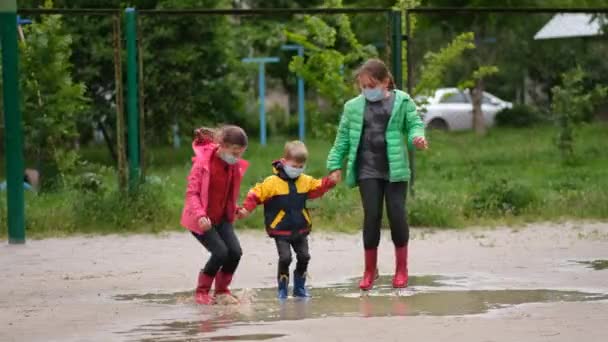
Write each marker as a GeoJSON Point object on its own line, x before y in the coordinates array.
{"type": "Point", "coordinates": [420, 143]}
{"type": "Point", "coordinates": [205, 223]}
{"type": "Point", "coordinates": [242, 213]}
{"type": "Point", "coordinates": [336, 176]}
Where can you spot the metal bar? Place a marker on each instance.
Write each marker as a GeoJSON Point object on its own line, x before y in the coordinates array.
{"type": "Point", "coordinates": [396, 49]}
{"type": "Point", "coordinates": [505, 10]}
{"type": "Point", "coordinates": [263, 11]}
{"type": "Point", "coordinates": [262, 94]}
{"type": "Point", "coordinates": [70, 11]}
{"type": "Point", "coordinates": [408, 51]}
{"type": "Point", "coordinates": [408, 46]}
{"type": "Point", "coordinates": [12, 119]}
{"type": "Point", "coordinates": [293, 11]}
{"type": "Point", "coordinates": [301, 110]}
{"type": "Point", "coordinates": [261, 90]}
{"type": "Point", "coordinates": [142, 112]}
{"type": "Point", "coordinates": [132, 93]}
{"type": "Point", "coordinates": [120, 119]}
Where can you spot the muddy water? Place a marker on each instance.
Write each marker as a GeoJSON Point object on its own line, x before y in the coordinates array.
{"type": "Point", "coordinates": [427, 295]}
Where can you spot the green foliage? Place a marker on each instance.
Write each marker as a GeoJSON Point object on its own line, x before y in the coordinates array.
{"type": "Point", "coordinates": [500, 197]}
{"type": "Point", "coordinates": [332, 51]}
{"type": "Point", "coordinates": [571, 103]}
{"type": "Point", "coordinates": [436, 64]}
{"type": "Point", "coordinates": [51, 101]}
{"type": "Point", "coordinates": [520, 116]}
{"type": "Point", "coordinates": [477, 75]}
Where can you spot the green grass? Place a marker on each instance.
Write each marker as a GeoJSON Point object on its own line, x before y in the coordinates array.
{"type": "Point", "coordinates": [511, 176]}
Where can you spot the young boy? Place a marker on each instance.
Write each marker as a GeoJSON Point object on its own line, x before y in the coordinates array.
{"type": "Point", "coordinates": [284, 195]}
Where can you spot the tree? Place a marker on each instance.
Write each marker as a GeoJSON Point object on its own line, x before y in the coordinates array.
{"type": "Point", "coordinates": [51, 101]}
{"type": "Point", "coordinates": [571, 102]}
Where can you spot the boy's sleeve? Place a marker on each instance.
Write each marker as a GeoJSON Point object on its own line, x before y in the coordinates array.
{"type": "Point", "coordinates": [259, 194]}
{"type": "Point", "coordinates": [318, 187]}
{"type": "Point", "coordinates": [341, 145]}
{"type": "Point", "coordinates": [413, 127]}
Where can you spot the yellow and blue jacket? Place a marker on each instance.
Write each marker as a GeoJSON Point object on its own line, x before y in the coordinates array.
{"type": "Point", "coordinates": [284, 199]}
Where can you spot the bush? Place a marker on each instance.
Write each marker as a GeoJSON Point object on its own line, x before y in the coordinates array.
{"type": "Point", "coordinates": [520, 116]}
{"type": "Point", "coordinates": [114, 211]}
{"type": "Point", "coordinates": [500, 197]}
{"type": "Point", "coordinates": [428, 210]}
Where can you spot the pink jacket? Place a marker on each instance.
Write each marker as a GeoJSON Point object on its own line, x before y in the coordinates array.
{"type": "Point", "coordinates": [195, 205]}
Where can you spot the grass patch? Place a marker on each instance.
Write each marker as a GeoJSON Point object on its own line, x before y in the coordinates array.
{"type": "Point", "coordinates": [511, 176]}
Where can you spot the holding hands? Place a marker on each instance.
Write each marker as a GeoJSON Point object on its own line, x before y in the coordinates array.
{"type": "Point", "coordinates": [336, 176]}
{"type": "Point", "coordinates": [242, 213]}
{"type": "Point", "coordinates": [420, 143]}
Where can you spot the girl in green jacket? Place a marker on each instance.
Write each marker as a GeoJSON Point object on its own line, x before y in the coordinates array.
{"type": "Point", "coordinates": [371, 136]}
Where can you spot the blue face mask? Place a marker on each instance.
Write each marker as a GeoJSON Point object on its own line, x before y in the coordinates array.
{"type": "Point", "coordinates": [228, 158]}
{"type": "Point", "coordinates": [373, 94]}
{"type": "Point", "coordinates": [292, 172]}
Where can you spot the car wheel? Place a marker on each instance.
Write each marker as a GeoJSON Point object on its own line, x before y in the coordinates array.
{"type": "Point", "coordinates": [438, 124]}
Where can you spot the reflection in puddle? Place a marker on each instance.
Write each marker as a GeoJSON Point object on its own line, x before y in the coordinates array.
{"type": "Point", "coordinates": [597, 265]}
{"type": "Point", "coordinates": [426, 296]}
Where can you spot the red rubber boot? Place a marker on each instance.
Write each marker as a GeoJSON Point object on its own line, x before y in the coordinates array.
{"type": "Point", "coordinates": [202, 295]}
{"type": "Point", "coordinates": [371, 271]}
{"type": "Point", "coordinates": [400, 279]}
{"type": "Point", "coordinates": [222, 292]}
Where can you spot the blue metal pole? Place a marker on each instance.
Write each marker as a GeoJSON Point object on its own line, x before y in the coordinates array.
{"type": "Point", "coordinates": [301, 116]}
{"type": "Point", "coordinates": [301, 96]}
{"type": "Point", "coordinates": [262, 93]}
{"type": "Point", "coordinates": [262, 90]}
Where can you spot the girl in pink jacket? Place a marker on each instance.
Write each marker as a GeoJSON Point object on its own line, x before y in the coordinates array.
{"type": "Point", "coordinates": [210, 206]}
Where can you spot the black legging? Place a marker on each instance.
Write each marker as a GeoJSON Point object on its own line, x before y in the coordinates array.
{"type": "Point", "coordinates": [224, 246]}
{"type": "Point", "coordinates": [373, 193]}
{"type": "Point", "coordinates": [300, 246]}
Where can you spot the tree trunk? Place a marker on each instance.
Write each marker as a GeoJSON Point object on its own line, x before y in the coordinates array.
{"type": "Point", "coordinates": [479, 124]}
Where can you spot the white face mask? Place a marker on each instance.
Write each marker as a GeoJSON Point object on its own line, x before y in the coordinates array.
{"type": "Point", "coordinates": [373, 94]}
{"type": "Point", "coordinates": [292, 172]}
{"type": "Point", "coordinates": [229, 158]}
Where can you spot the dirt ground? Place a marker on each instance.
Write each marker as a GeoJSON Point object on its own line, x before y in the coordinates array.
{"type": "Point", "coordinates": [491, 287]}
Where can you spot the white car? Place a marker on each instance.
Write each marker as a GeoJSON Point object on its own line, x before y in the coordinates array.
{"type": "Point", "coordinates": [451, 109]}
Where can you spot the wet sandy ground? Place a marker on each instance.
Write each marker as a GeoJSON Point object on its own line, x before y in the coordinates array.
{"type": "Point", "coordinates": [505, 284]}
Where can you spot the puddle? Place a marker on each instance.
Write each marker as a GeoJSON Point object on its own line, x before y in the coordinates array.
{"type": "Point", "coordinates": [597, 265]}
{"type": "Point", "coordinates": [427, 295]}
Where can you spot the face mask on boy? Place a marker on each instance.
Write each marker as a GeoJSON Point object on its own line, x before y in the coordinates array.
{"type": "Point", "coordinates": [292, 172]}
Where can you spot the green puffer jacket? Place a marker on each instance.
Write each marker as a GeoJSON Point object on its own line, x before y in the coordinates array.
{"type": "Point", "coordinates": [404, 123]}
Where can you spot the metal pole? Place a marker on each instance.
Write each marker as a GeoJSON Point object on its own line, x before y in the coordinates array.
{"type": "Point", "coordinates": [262, 94]}
{"type": "Point", "coordinates": [262, 90]}
{"type": "Point", "coordinates": [301, 115]}
{"type": "Point", "coordinates": [301, 108]}
{"type": "Point", "coordinates": [132, 93]}
{"type": "Point", "coordinates": [397, 36]}
{"type": "Point", "coordinates": [408, 47]}
{"type": "Point", "coordinates": [120, 119]}
{"type": "Point", "coordinates": [12, 117]}
{"type": "Point", "coordinates": [141, 103]}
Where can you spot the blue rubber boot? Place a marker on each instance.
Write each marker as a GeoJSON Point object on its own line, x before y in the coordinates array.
{"type": "Point", "coordinates": [299, 286]}
{"type": "Point", "coordinates": [283, 286]}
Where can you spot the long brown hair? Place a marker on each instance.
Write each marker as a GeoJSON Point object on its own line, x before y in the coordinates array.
{"type": "Point", "coordinates": [226, 135]}
{"type": "Point", "coordinates": [376, 68]}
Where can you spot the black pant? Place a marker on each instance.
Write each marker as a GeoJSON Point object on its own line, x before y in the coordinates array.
{"type": "Point", "coordinates": [373, 193]}
{"type": "Point", "coordinates": [300, 246]}
{"type": "Point", "coordinates": [224, 246]}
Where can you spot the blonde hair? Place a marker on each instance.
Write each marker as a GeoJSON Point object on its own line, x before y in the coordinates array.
{"type": "Point", "coordinates": [296, 150]}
